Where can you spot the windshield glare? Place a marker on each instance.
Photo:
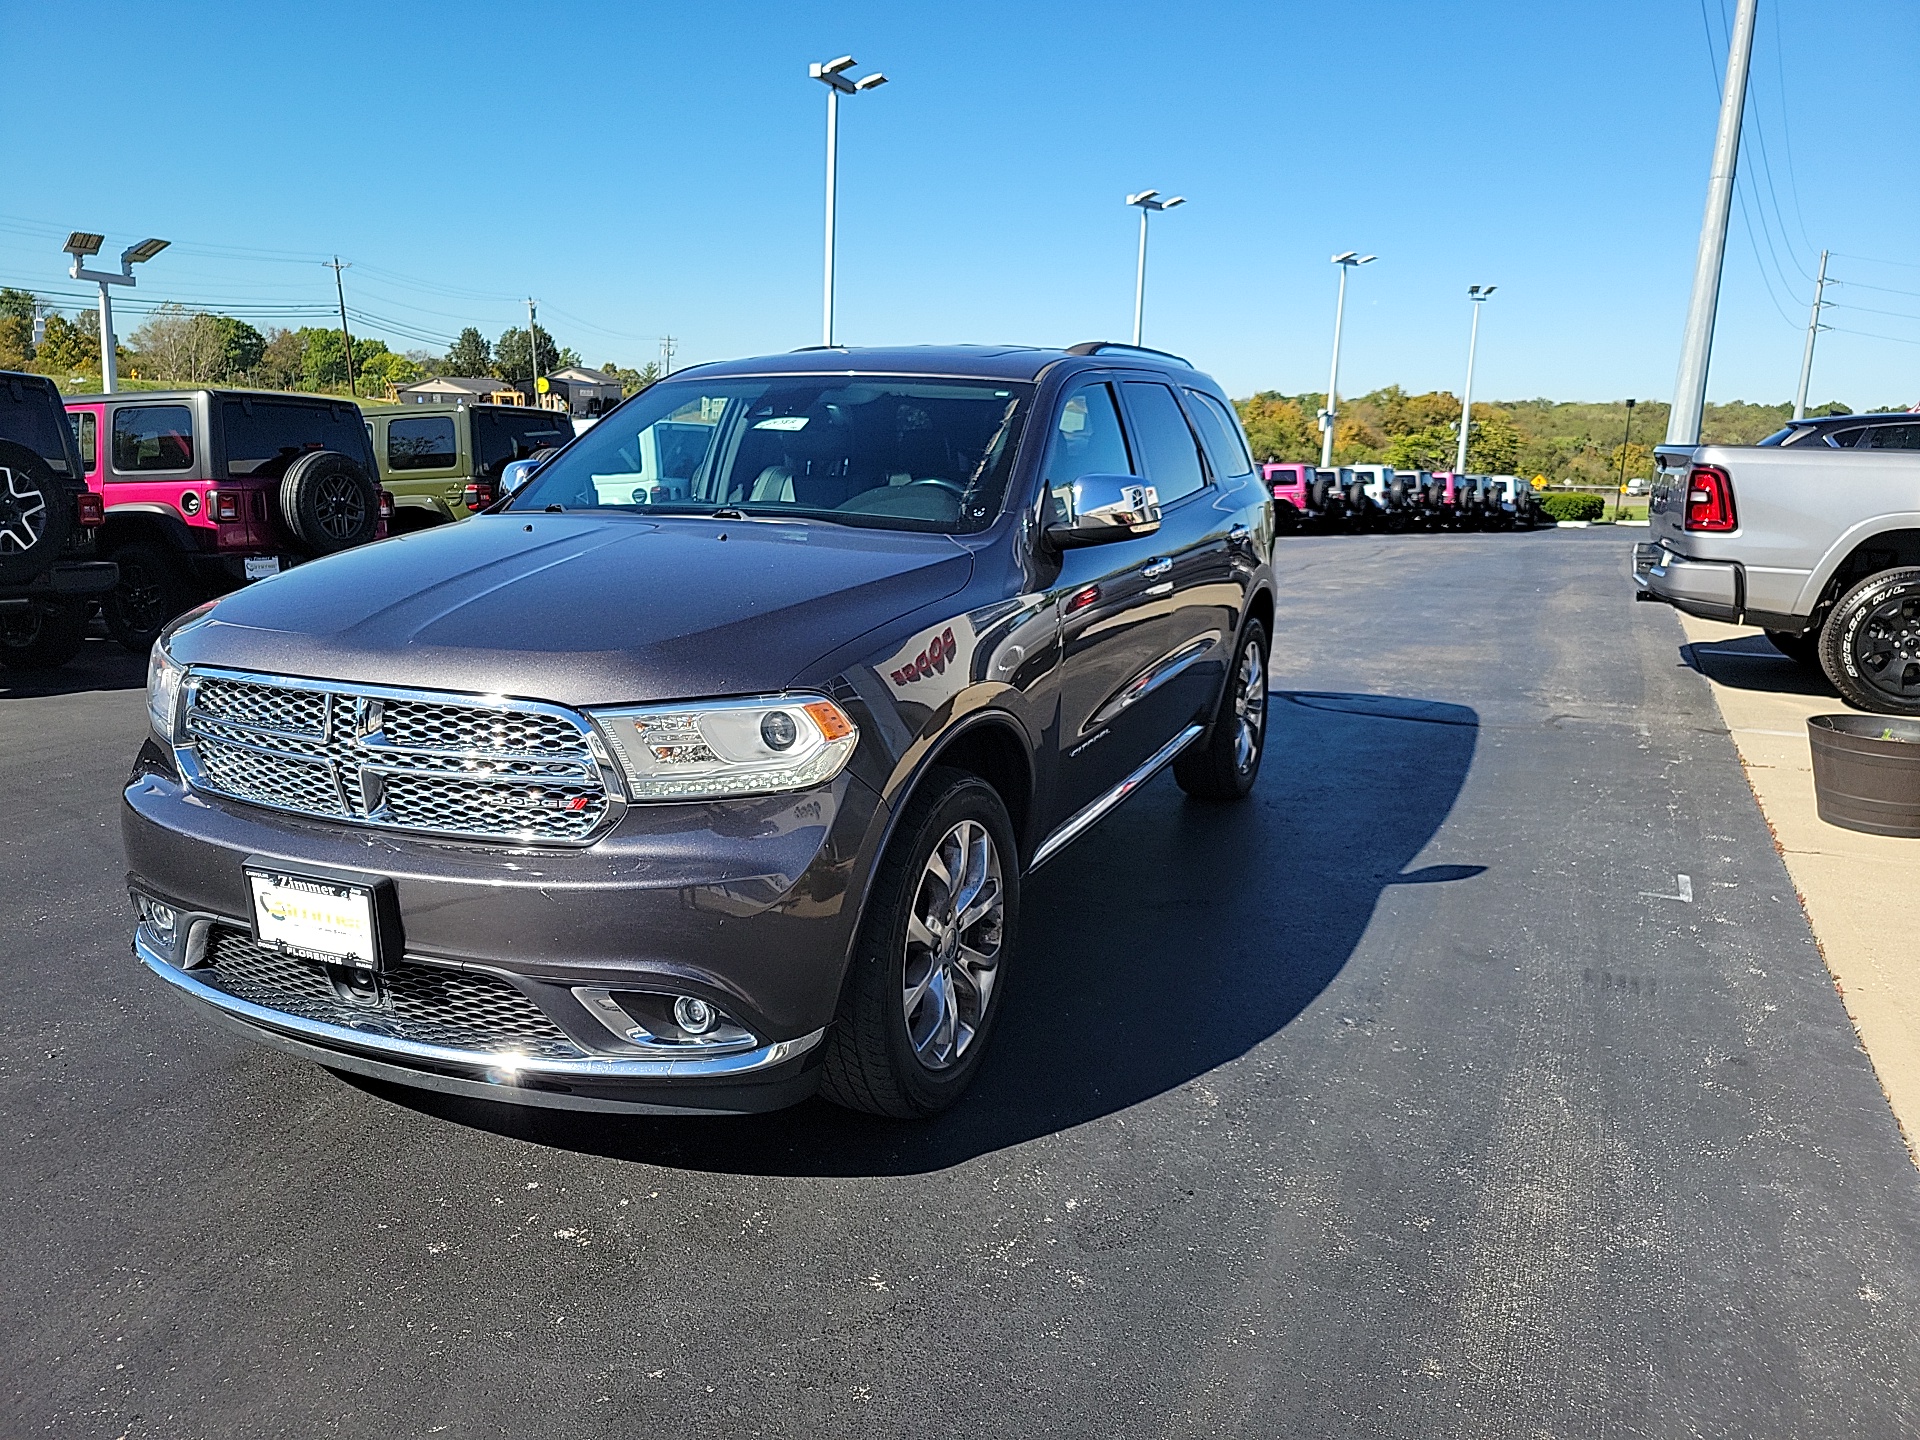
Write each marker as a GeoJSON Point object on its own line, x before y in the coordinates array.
{"type": "Point", "coordinates": [896, 452]}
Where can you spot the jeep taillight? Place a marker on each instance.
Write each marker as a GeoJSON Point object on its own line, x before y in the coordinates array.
{"type": "Point", "coordinates": [224, 506]}
{"type": "Point", "coordinates": [90, 509]}
{"type": "Point", "coordinates": [386, 504]}
{"type": "Point", "coordinates": [1710, 499]}
{"type": "Point", "coordinates": [478, 495]}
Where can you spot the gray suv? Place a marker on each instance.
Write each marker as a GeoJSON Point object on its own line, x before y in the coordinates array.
{"type": "Point", "coordinates": [704, 771]}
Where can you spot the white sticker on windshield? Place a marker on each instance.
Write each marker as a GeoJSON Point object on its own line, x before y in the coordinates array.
{"type": "Point", "coordinates": [783, 422]}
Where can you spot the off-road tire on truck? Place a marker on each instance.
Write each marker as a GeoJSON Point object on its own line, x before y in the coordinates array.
{"type": "Point", "coordinates": [1870, 648]}
{"type": "Point", "coordinates": [36, 514]}
{"type": "Point", "coordinates": [329, 503]}
{"type": "Point", "coordinates": [42, 636]}
{"type": "Point", "coordinates": [1802, 649]}
{"type": "Point", "coordinates": [153, 589]}
{"type": "Point", "coordinates": [877, 1059]}
{"type": "Point", "coordinates": [1226, 761]}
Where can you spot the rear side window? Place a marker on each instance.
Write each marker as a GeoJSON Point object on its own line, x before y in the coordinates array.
{"type": "Point", "coordinates": [264, 437]}
{"type": "Point", "coordinates": [30, 416]}
{"type": "Point", "coordinates": [1087, 440]}
{"type": "Point", "coordinates": [1891, 437]}
{"type": "Point", "coordinates": [1226, 450]}
{"type": "Point", "coordinates": [424, 444]}
{"type": "Point", "coordinates": [86, 434]}
{"type": "Point", "coordinates": [1166, 441]}
{"type": "Point", "coordinates": [152, 437]}
{"type": "Point", "coordinates": [514, 434]}
{"type": "Point", "coordinates": [1845, 439]}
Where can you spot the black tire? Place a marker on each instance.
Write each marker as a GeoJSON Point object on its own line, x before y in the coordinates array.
{"type": "Point", "coordinates": [873, 1060]}
{"type": "Point", "coordinates": [1218, 767]}
{"type": "Point", "coordinates": [36, 514]}
{"type": "Point", "coordinates": [1803, 650]}
{"type": "Point", "coordinates": [44, 636]}
{"type": "Point", "coordinates": [328, 503]}
{"type": "Point", "coordinates": [1322, 493]}
{"type": "Point", "coordinates": [153, 589]}
{"type": "Point", "coordinates": [1870, 646]}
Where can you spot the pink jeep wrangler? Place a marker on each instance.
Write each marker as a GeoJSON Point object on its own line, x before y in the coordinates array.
{"type": "Point", "coordinates": [207, 489]}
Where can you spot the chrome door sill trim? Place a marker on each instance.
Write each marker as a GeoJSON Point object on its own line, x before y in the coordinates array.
{"type": "Point", "coordinates": [503, 1063]}
{"type": "Point", "coordinates": [1092, 813]}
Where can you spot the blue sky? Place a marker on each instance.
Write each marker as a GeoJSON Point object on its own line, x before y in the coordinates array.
{"type": "Point", "coordinates": [673, 184]}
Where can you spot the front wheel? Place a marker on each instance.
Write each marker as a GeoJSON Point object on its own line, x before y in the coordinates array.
{"type": "Point", "coordinates": [153, 589]}
{"type": "Point", "coordinates": [929, 968]}
{"type": "Point", "coordinates": [1227, 762]}
{"type": "Point", "coordinates": [1870, 647]}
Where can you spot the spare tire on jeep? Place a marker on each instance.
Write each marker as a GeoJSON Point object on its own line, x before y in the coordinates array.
{"type": "Point", "coordinates": [329, 503]}
{"type": "Point", "coordinates": [36, 514]}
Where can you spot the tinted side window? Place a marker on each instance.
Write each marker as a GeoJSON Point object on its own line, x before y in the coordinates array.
{"type": "Point", "coordinates": [424, 444]}
{"type": "Point", "coordinates": [152, 437]}
{"type": "Point", "coordinates": [503, 435]}
{"type": "Point", "coordinates": [1165, 439]}
{"type": "Point", "coordinates": [29, 416]}
{"type": "Point", "coordinates": [1845, 439]}
{"type": "Point", "coordinates": [1087, 440]}
{"type": "Point", "coordinates": [1225, 448]}
{"type": "Point", "coordinates": [1892, 437]}
{"type": "Point", "coordinates": [86, 432]}
{"type": "Point", "coordinates": [264, 437]}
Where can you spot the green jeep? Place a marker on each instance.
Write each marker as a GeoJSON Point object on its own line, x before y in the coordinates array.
{"type": "Point", "coordinates": [443, 462]}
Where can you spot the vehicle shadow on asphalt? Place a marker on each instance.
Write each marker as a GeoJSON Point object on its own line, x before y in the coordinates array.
{"type": "Point", "coordinates": [1751, 663]}
{"type": "Point", "coordinates": [100, 665]}
{"type": "Point", "coordinates": [1176, 937]}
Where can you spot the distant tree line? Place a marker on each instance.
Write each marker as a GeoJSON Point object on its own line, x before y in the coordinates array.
{"type": "Point", "coordinates": [178, 346]}
{"type": "Point", "coordinates": [1562, 440]}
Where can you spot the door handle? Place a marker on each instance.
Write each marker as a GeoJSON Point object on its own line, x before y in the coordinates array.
{"type": "Point", "coordinates": [1157, 568]}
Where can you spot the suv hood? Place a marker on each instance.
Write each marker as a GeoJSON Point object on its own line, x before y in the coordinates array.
{"type": "Point", "coordinates": [581, 609]}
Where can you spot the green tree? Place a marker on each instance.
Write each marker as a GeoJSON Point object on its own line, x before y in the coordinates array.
{"type": "Point", "coordinates": [632, 382]}
{"type": "Point", "coordinates": [1430, 448]}
{"type": "Point", "coordinates": [510, 355]}
{"type": "Point", "coordinates": [470, 354]}
{"type": "Point", "coordinates": [323, 359]}
{"type": "Point", "coordinates": [72, 347]}
{"type": "Point", "coordinates": [241, 347]}
{"type": "Point", "coordinates": [1279, 427]}
{"type": "Point", "coordinates": [385, 369]}
{"type": "Point", "coordinates": [18, 303]}
{"type": "Point", "coordinates": [1493, 445]}
{"type": "Point", "coordinates": [280, 366]}
{"type": "Point", "coordinates": [16, 342]}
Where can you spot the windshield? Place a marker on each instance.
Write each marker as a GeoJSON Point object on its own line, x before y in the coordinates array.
{"type": "Point", "coordinates": [899, 453]}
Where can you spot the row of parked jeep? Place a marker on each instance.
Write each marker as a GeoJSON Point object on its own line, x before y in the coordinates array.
{"type": "Point", "coordinates": [141, 504]}
{"type": "Point", "coordinates": [1378, 497]}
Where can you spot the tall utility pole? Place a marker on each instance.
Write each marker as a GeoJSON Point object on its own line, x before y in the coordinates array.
{"type": "Point", "coordinates": [1148, 202]}
{"type": "Point", "coordinates": [1620, 496]}
{"type": "Point", "coordinates": [666, 356]}
{"type": "Point", "coordinates": [1690, 387]}
{"type": "Point", "coordinates": [83, 245]}
{"type": "Point", "coordinates": [1346, 260]}
{"type": "Point", "coordinates": [340, 289]}
{"type": "Point", "coordinates": [533, 354]}
{"type": "Point", "coordinates": [1813, 328]}
{"type": "Point", "coordinates": [1478, 295]}
{"type": "Point", "coordinates": [831, 73]}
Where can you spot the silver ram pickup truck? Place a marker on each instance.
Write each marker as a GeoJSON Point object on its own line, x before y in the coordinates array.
{"type": "Point", "coordinates": [1812, 535]}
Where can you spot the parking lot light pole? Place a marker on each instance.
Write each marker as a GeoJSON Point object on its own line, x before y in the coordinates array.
{"type": "Point", "coordinates": [82, 245]}
{"type": "Point", "coordinates": [1148, 201]}
{"type": "Point", "coordinates": [832, 74]}
{"type": "Point", "coordinates": [1620, 496]}
{"type": "Point", "coordinates": [1346, 260]}
{"type": "Point", "coordinates": [1478, 295]}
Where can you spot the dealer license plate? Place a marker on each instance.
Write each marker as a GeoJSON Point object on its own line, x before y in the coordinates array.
{"type": "Point", "coordinates": [317, 919]}
{"type": "Point", "coordinates": [259, 567]}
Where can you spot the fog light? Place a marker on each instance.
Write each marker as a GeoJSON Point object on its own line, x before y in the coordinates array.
{"type": "Point", "coordinates": [159, 919]}
{"type": "Point", "coordinates": [693, 1015]}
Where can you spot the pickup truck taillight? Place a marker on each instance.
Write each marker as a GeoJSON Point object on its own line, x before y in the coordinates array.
{"type": "Point", "coordinates": [1710, 499]}
{"type": "Point", "coordinates": [91, 510]}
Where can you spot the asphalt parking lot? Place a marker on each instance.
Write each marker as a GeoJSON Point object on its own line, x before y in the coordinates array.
{"type": "Point", "coordinates": [1410, 1099]}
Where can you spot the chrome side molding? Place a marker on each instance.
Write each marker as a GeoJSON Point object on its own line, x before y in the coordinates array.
{"type": "Point", "coordinates": [1096, 810]}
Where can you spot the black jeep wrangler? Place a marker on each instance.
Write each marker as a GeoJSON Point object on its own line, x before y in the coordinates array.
{"type": "Point", "coordinates": [48, 516]}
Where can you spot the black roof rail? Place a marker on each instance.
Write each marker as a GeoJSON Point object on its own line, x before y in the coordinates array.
{"type": "Point", "coordinates": [1101, 347]}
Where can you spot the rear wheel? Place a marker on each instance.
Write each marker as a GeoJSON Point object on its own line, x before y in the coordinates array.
{"type": "Point", "coordinates": [1870, 648]}
{"type": "Point", "coordinates": [1801, 649]}
{"type": "Point", "coordinates": [43, 636]}
{"type": "Point", "coordinates": [929, 967]}
{"type": "Point", "coordinates": [153, 589]}
{"type": "Point", "coordinates": [1225, 765]}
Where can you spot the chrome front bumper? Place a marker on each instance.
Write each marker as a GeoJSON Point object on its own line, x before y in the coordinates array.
{"type": "Point", "coordinates": [1711, 589]}
{"type": "Point", "coordinates": [765, 1077]}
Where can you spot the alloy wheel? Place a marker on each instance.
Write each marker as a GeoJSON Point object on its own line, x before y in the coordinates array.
{"type": "Point", "coordinates": [340, 507]}
{"type": "Point", "coordinates": [1249, 709]}
{"type": "Point", "coordinates": [142, 597]}
{"type": "Point", "coordinates": [1887, 647]}
{"type": "Point", "coordinates": [954, 927]}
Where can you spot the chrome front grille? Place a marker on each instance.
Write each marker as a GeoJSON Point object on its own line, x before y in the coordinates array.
{"type": "Point", "coordinates": [440, 764]}
{"type": "Point", "coordinates": [429, 1004]}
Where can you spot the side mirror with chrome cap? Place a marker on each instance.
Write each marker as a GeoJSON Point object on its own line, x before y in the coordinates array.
{"type": "Point", "coordinates": [1105, 507]}
{"type": "Point", "coordinates": [516, 473]}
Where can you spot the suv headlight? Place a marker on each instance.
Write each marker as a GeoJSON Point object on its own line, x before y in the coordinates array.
{"type": "Point", "coordinates": [719, 748]}
{"type": "Point", "coordinates": [163, 690]}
